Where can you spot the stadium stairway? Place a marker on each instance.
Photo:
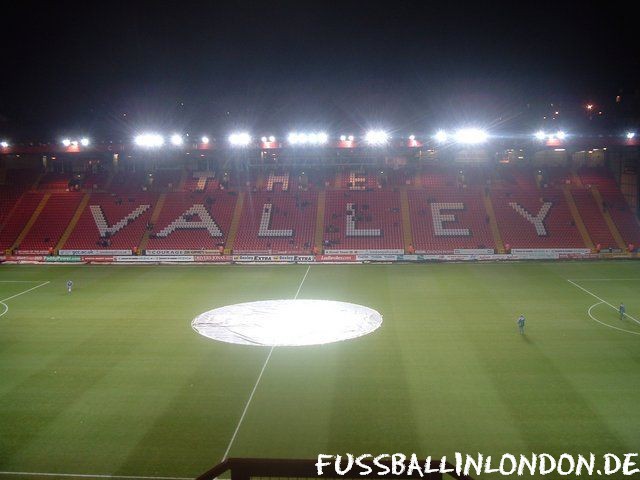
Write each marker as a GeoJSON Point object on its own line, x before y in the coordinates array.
{"type": "Point", "coordinates": [235, 223]}
{"type": "Point", "coordinates": [74, 220]}
{"type": "Point", "coordinates": [577, 218]}
{"type": "Point", "coordinates": [32, 220]}
{"type": "Point", "coordinates": [608, 220]}
{"type": "Point", "coordinates": [154, 218]}
{"type": "Point", "coordinates": [406, 219]}
{"type": "Point", "coordinates": [319, 234]}
{"type": "Point", "coordinates": [493, 223]}
{"type": "Point", "coordinates": [183, 180]}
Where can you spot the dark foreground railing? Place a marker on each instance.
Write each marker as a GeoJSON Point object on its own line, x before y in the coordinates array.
{"type": "Point", "coordinates": [268, 468]}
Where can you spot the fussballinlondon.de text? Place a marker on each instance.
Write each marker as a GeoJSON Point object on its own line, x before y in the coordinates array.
{"type": "Point", "coordinates": [464, 464]}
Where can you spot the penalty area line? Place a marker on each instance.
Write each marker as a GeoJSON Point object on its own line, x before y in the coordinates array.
{"type": "Point", "coordinates": [255, 387]}
{"type": "Point", "coordinates": [601, 300]}
{"type": "Point", "coordinates": [6, 307]}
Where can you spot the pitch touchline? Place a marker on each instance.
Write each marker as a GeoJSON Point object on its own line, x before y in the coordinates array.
{"type": "Point", "coordinates": [6, 307]}
{"type": "Point", "coordinates": [255, 387]}
{"type": "Point", "coordinates": [87, 475]}
{"type": "Point", "coordinates": [603, 301]}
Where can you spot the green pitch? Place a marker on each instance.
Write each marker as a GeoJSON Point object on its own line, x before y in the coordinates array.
{"type": "Point", "coordinates": [112, 380]}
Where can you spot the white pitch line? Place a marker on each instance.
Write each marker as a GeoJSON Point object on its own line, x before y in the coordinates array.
{"type": "Point", "coordinates": [97, 475]}
{"type": "Point", "coordinates": [6, 307]}
{"type": "Point", "coordinates": [26, 291]}
{"type": "Point", "coordinates": [603, 301]}
{"type": "Point", "coordinates": [255, 387]}
{"type": "Point", "coordinates": [606, 324]}
{"type": "Point", "coordinates": [604, 279]}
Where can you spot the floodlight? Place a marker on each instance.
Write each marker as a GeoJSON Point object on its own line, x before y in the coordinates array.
{"type": "Point", "coordinates": [412, 137]}
{"type": "Point", "coordinates": [4, 144]}
{"type": "Point", "coordinates": [441, 136]}
{"type": "Point", "coordinates": [149, 140]}
{"type": "Point", "coordinates": [376, 137]}
{"type": "Point", "coordinates": [84, 142]}
{"type": "Point", "coordinates": [540, 135]}
{"type": "Point", "coordinates": [471, 136]}
{"type": "Point", "coordinates": [350, 138]}
{"type": "Point", "coordinates": [293, 138]}
{"type": "Point", "coordinates": [343, 138]}
{"type": "Point", "coordinates": [263, 139]}
{"type": "Point", "coordinates": [561, 135]}
{"type": "Point", "coordinates": [629, 135]}
{"type": "Point", "coordinates": [322, 137]}
{"type": "Point", "coordinates": [66, 142]}
{"type": "Point", "coordinates": [272, 138]}
{"type": "Point", "coordinates": [241, 139]}
{"type": "Point", "coordinates": [176, 139]}
{"type": "Point", "coordinates": [205, 140]}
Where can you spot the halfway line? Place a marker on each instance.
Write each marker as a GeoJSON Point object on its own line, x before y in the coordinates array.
{"type": "Point", "coordinates": [255, 387]}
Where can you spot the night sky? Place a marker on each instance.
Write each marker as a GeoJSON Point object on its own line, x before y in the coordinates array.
{"type": "Point", "coordinates": [108, 69]}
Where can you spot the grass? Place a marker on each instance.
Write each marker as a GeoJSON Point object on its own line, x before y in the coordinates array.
{"type": "Point", "coordinates": [112, 379]}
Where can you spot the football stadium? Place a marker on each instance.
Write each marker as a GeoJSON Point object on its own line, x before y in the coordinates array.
{"type": "Point", "coordinates": [118, 357]}
{"type": "Point", "coordinates": [295, 240]}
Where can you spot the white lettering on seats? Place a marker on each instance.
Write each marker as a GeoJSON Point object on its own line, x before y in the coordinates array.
{"type": "Point", "coordinates": [282, 179]}
{"type": "Point", "coordinates": [265, 224]}
{"type": "Point", "coordinates": [538, 220]}
{"type": "Point", "coordinates": [356, 182]}
{"type": "Point", "coordinates": [182, 223]}
{"type": "Point", "coordinates": [202, 178]}
{"type": "Point", "coordinates": [103, 226]}
{"type": "Point", "coordinates": [352, 231]}
{"type": "Point", "coordinates": [439, 218]}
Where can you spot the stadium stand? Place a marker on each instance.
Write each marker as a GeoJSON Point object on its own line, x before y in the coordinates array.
{"type": "Point", "coordinates": [444, 219]}
{"type": "Point", "coordinates": [363, 220]}
{"type": "Point", "coordinates": [532, 218]}
{"type": "Point", "coordinates": [190, 221]}
{"type": "Point", "coordinates": [277, 222]}
{"type": "Point", "coordinates": [52, 222]}
{"type": "Point", "coordinates": [18, 218]}
{"type": "Point", "coordinates": [432, 208]}
{"type": "Point", "coordinates": [112, 221]}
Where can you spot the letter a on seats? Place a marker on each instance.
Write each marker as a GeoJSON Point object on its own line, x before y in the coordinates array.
{"type": "Point", "coordinates": [181, 223]}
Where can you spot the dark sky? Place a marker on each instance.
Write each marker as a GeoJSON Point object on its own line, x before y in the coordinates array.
{"type": "Point", "coordinates": [272, 66]}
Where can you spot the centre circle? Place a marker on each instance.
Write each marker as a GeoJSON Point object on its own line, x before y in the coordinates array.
{"type": "Point", "coordinates": [280, 323]}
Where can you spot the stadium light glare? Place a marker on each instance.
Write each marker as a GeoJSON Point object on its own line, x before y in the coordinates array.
{"type": "Point", "coordinates": [412, 137]}
{"type": "Point", "coordinates": [540, 135]}
{"type": "Point", "coordinates": [149, 140]}
{"type": "Point", "coordinates": [376, 137]}
{"type": "Point", "coordinates": [272, 138]}
{"type": "Point", "coordinates": [561, 135]}
{"type": "Point", "coordinates": [471, 136]}
{"type": "Point", "coordinates": [205, 140]}
{"type": "Point", "coordinates": [84, 142]}
{"type": "Point", "coordinates": [240, 139]}
{"type": "Point", "coordinates": [350, 138]}
{"type": "Point", "coordinates": [629, 135]}
{"type": "Point", "coordinates": [4, 144]}
{"type": "Point", "coordinates": [66, 142]}
{"type": "Point", "coordinates": [263, 139]}
{"type": "Point", "coordinates": [176, 139]}
{"type": "Point", "coordinates": [312, 138]}
{"type": "Point", "coordinates": [441, 136]}
{"type": "Point", "coordinates": [343, 138]}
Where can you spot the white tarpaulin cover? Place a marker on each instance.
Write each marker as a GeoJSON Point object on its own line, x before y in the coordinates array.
{"type": "Point", "coordinates": [287, 322]}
